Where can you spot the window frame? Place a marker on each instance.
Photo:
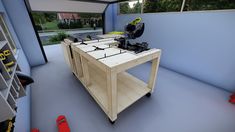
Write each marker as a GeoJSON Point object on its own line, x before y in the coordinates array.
{"type": "Point", "coordinates": [180, 11]}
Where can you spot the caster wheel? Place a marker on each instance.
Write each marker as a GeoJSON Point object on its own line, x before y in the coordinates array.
{"type": "Point", "coordinates": [148, 95]}
{"type": "Point", "coordinates": [112, 122]}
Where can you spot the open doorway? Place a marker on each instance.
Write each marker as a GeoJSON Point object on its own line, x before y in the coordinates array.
{"type": "Point", "coordinates": [53, 27]}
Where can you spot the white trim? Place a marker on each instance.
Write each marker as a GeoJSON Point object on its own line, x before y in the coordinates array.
{"type": "Point", "coordinates": [222, 10]}
{"type": "Point", "coordinates": [141, 11]}
{"type": "Point", "coordinates": [182, 7]}
{"type": "Point", "coordinates": [181, 11]}
{"type": "Point", "coordinates": [178, 12]}
{"type": "Point", "coordinates": [142, 7]}
{"type": "Point", "coordinates": [66, 6]}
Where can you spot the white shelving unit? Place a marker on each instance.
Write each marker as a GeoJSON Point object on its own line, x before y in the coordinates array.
{"type": "Point", "coordinates": [10, 86]}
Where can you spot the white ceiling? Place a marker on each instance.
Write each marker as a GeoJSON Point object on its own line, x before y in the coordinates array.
{"type": "Point", "coordinates": [68, 6]}
{"type": "Point", "coordinates": [108, 0]}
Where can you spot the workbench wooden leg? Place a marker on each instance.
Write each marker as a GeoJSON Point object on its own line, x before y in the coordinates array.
{"type": "Point", "coordinates": [78, 64]}
{"type": "Point", "coordinates": [85, 71]}
{"type": "Point", "coordinates": [153, 74]}
{"type": "Point", "coordinates": [112, 94]}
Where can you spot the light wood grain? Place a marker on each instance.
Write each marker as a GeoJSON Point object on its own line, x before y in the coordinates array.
{"type": "Point", "coordinates": [85, 71]}
{"type": "Point", "coordinates": [78, 64]}
{"type": "Point", "coordinates": [111, 86]}
{"type": "Point", "coordinates": [153, 74]}
{"type": "Point", "coordinates": [129, 88]}
{"type": "Point", "coordinates": [106, 79]}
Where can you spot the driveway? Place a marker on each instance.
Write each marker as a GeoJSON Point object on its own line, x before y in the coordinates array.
{"type": "Point", "coordinates": [70, 32]}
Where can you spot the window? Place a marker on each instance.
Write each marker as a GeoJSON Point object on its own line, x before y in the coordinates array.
{"type": "Point", "coordinates": [151, 6]}
{"type": "Point", "coordinates": [197, 5]}
{"type": "Point", "coordinates": [130, 7]}
{"type": "Point", "coordinates": [60, 25]}
{"type": "Point", "coordinates": [7, 34]}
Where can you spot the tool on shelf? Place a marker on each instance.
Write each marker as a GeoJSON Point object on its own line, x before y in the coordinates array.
{"type": "Point", "coordinates": [8, 125]}
{"type": "Point", "coordinates": [2, 57]}
{"type": "Point", "coordinates": [9, 70]}
{"type": "Point", "coordinates": [5, 58]}
{"type": "Point", "coordinates": [6, 52]}
{"type": "Point", "coordinates": [9, 64]}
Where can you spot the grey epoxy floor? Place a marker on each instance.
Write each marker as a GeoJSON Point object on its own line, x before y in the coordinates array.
{"type": "Point", "coordinates": [179, 104]}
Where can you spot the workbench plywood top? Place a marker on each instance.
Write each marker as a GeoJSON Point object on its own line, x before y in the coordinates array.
{"type": "Point", "coordinates": [99, 54]}
{"type": "Point", "coordinates": [95, 41]}
{"type": "Point", "coordinates": [83, 46]}
{"type": "Point", "coordinates": [111, 55]}
{"type": "Point", "coordinates": [126, 57]}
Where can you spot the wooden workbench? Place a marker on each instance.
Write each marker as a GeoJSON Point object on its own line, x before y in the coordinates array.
{"type": "Point", "coordinates": [103, 73]}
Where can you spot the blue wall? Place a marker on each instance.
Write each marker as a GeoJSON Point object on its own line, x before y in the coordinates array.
{"type": "Point", "coordinates": [197, 44]}
{"type": "Point", "coordinates": [23, 114]}
{"type": "Point", "coordinates": [109, 19]}
{"type": "Point", "coordinates": [21, 22]}
{"type": "Point", "coordinates": [23, 118]}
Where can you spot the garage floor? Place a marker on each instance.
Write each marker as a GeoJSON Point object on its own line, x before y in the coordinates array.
{"type": "Point", "coordinates": [179, 103]}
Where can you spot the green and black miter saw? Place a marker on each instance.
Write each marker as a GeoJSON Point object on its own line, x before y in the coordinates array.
{"type": "Point", "coordinates": [133, 30]}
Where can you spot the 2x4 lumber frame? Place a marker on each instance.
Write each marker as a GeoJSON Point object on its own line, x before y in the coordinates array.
{"type": "Point", "coordinates": [112, 93]}
{"type": "Point", "coordinates": [153, 73]}
{"type": "Point", "coordinates": [112, 105]}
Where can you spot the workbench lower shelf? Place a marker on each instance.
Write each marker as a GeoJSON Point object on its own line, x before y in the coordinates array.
{"type": "Point", "coordinates": [129, 89]}
{"type": "Point", "coordinates": [101, 67]}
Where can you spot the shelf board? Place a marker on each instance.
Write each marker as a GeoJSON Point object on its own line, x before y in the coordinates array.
{"type": "Point", "coordinates": [6, 110]}
{"type": "Point", "coordinates": [6, 91]}
{"type": "Point", "coordinates": [5, 74]}
{"type": "Point", "coordinates": [13, 69]}
{"type": "Point", "coordinates": [11, 101]}
{"type": "Point", "coordinates": [14, 93]}
{"type": "Point", "coordinates": [3, 84]}
{"type": "Point", "coordinates": [2, 43]}
{"type": "Point", "coordinates": [129, 88]}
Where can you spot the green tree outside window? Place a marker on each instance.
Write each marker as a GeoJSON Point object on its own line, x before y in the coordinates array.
{"type": "Point", "coordinates": [152, 6]}
{"type": "Point", "coordinates": [197, 5]}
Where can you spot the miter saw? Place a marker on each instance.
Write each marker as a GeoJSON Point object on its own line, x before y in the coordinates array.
{"type": "Point", "coordinates": [133, 30]}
